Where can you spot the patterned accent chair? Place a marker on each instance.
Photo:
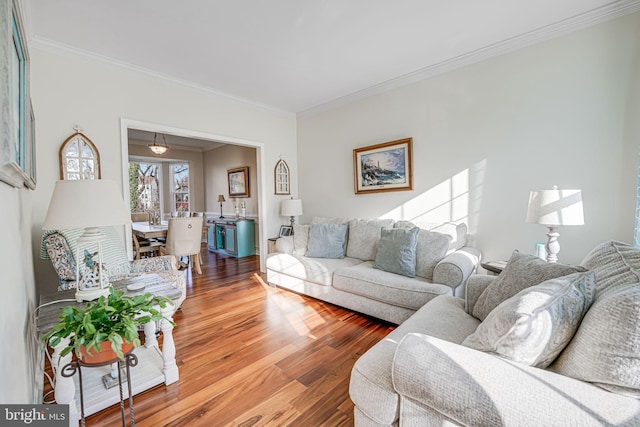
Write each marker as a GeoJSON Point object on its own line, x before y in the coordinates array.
{"type": "Point", "coordinates": [59, 246]}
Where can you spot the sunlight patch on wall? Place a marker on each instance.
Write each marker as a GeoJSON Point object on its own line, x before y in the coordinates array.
{"type": "Point", "coordinates": [446, 202]}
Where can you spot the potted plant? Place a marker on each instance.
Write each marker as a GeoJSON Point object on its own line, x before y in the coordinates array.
{"type": "Point", "coordinates": [109, 323]}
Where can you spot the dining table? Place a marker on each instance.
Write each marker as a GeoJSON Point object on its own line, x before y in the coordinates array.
{"type": "Point", "coordinates": [146, 231]}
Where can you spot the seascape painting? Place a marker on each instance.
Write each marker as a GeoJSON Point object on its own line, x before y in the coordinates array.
{"type": "Point", "coordinates": [384, 167]}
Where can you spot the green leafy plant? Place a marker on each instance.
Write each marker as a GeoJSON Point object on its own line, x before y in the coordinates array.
{"type": "Point", "coordinates": [114, 318]}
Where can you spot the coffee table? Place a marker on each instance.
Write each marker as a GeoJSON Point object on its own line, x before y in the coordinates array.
{"type": "Point", "coordinates": [157, 365]}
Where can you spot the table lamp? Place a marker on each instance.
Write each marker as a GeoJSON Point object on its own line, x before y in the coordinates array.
{"type": "Point", "coordinates": [554, 208]}
{"type": "Point", "coordinates": [291, 208]}
{"type": "Point", "coordinates": [88, 204]}
{"type": "Point", "coordinates": [221, 200]}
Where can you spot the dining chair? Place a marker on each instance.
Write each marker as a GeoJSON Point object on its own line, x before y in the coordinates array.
{"type": "Point", "coordinates": [143, 248]}
{"type": "Point", "coordinates": [139, 216]}
{"type": "Point", "coordinates": [184, 238]}
{"type": "Point", "coordinates": [204, 230]}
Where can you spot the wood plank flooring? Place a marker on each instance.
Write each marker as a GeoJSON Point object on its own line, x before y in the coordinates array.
{"type": "Point", "coordinates": [253, 355]}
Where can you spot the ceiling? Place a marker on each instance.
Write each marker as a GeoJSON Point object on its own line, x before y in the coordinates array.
{"type": "Point", "coordinates": [298, 55]}
{"type": "Point", "coordinates": [141, 137]}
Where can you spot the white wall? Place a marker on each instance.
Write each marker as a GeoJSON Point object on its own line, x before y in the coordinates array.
{"type": "Point", "coordinates": [486, 134]}
{"type": "Point", "coordinates": [17, 358]}
{"type": "Point", "coordinates": [216, 164]}
{"type": "Point", "coordinates": [69, 90]}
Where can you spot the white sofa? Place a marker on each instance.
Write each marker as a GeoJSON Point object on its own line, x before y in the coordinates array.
{"type": "Point", "coordinates": [443, 263]}
{"type": "Point", "coordinates": [428, 372]}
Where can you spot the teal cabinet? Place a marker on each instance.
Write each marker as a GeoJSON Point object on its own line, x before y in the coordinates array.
{"type": "Point", "coordinates": [233, 237]}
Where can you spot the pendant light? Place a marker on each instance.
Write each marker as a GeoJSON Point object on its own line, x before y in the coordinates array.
{"type": "Point", "coordinates": [157, 148]}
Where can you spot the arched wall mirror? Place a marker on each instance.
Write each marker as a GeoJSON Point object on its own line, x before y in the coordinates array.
{"type": "Point", "coordinates": [79, 158]}
{"type": "Point", "coordinates": [282, 181]}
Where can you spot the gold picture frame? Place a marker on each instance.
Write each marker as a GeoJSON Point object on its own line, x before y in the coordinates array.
{"type": "Point", "coordinates": [238, 182]}
{"type": "Point", "coordinates": [384, 167]}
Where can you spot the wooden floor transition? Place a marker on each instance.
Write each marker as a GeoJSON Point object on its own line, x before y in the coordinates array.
{"type": "Point", "coordinates": [253, 355]}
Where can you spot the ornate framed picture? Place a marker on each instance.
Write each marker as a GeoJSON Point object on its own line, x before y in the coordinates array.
{"type": "Point", "coordinates": [238, 182]}
{"type": "Point", "coordinates": [384, 167]}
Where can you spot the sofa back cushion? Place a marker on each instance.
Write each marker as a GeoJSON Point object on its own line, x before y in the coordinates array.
{"type": "Point", "coordinates": [457, 232]}
{"type": "Point", "coordinates": [614, 263]}
{"type": "Point", "coordinates": [522, 271]}
{"type": "Point", "coordinates": [430, 250]}
{"type": "Point", "coordinates": [536, 324]}
{"type": "Point", "coordinates": [606, 348]}
{"type": "Point", "coordinates": [397, 251]}
{"type": "Point", "coordinates": [326, 240]}
{"type": "Point", "coordinates": [364, 236]}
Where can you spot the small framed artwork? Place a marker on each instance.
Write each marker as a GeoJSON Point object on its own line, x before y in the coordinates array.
{"type": "Point", "coordinates": [238, 182]}
{"type": "Point", "coordinates": [285, 230]}
{"type": "Point", "coordinates": [384, 167]}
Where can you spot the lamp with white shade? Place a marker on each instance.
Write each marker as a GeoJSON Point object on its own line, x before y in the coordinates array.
{"type": "Point", "coordinates": [291, 208]}
{"type": "Point", "coordinates": [554, 208]}
{"type": "Point", "coordinates": [88, 204]}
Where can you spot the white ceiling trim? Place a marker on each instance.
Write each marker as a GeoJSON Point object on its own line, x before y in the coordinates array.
{"type": "Point", "coordinates": [63, 49]}
{"type": "Point", "coordinates": [587, 19]}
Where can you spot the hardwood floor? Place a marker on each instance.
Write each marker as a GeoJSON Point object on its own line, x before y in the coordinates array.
{"type": "Point", "coordinates": [253, 355]}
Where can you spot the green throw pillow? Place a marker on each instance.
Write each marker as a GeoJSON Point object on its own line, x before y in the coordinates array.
{"type": "Point", "coordinates": [397, 251]}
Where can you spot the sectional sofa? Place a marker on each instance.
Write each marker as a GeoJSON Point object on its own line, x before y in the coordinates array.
{"type": "Point", "coordinates": [539, 345]}
{"type": "Point", "coordinates": [383, 268]}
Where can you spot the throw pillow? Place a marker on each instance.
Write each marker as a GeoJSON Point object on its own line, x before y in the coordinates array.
{"type": "Point", "coordinates": [326, 240]}
{"type": "Point", "coordinates": [533, 326]}
{"type": "Point", "coordinates": [606, 348]}
{"type": "Point", "coordinates": [364, 236]}
{"type": "Point", "coordinates": [397, 251]}
{"type": "Point", "coordinates": [522, 271]}
{"type": "Point", "coordinates": [615, 263]}
{"type": "Point", "coordinates": [300, 239]}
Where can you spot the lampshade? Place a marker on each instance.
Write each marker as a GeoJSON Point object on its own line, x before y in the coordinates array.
{"type": "Point", "coordinates": [86, 203]}
{"type": "Point", "coordinates": [555, 207]}
{"type": "Point", "coordinates": [158, 148]}
{"type": "Point", "coordinates": [221, 198]}
{"type": "Point", "coordinates": [291, 207]}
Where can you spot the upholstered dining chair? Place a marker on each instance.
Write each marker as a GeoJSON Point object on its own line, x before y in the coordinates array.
{"type": "Point", "coordinates": [204, 230]}
{"type": "Point", "coordinates": [184, 238]}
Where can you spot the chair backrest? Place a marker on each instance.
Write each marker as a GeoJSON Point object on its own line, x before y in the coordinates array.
{"type": "Point", "coordinates": [139, 216]}
{"type": "Point", "coordinates": [200, 214]}
{"type": "Point", "coordinates": [184, 236]}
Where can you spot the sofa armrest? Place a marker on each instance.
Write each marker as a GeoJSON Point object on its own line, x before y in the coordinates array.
{"type": "Point", "coordinates": [473, 388]}
{"type": "Point", "coordinates": [152, 264]}
{"type": "Point", "coordinates": [454, 269]}
{"type": "Point", "coordinates": [285, 245]}
{"type": "Point", "coordinates": [476, 284]}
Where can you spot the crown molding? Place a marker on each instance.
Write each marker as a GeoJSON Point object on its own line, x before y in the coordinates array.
{"type": "Point", "coordinates": [69, 51]}
{"type": "Point", "coordinates": [596, 16]}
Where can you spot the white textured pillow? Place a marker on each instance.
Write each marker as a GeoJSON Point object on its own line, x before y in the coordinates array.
{"type": "Point", "coordinates": [300, 239]}
{"type": "Point", "coordinates": [534, 326]}
{"type": "Point", "coordinates": [521, 271]}
{"type": "Point", "coordinates": [606, 348]}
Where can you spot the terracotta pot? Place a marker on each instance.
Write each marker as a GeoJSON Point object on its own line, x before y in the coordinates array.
{"type": "Point", "coordinates": [105, 354]}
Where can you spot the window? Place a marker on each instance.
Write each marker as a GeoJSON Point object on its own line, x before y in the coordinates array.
{"type": "Point", "coordinates": [144, 186]}
{"type": "Point", "coordinates": [180, 186]}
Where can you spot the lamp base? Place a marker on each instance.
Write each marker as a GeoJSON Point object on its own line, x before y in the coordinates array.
{"type": "Point", "coordinates": [552, 246]}
{"type": "Point", "coordinates": [92, 294]}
